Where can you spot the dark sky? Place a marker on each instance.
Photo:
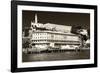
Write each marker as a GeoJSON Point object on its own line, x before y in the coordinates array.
{"type": "Point", "coordinates": [71, 19]}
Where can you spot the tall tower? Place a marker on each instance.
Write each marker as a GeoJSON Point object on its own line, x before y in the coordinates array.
{"type": "Point", "coordinates": [36, 19]}
{"type": "Point", "coordinates": [35, 23]}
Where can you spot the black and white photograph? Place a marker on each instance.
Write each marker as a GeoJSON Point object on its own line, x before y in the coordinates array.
{"type": "Point", "coordinates": [49, 36]}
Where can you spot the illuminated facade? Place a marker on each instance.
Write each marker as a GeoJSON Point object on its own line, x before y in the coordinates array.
{"type": "Point", "coordinates": [54, 39]}
{"type": "Point", "coordinates": [53, 35]}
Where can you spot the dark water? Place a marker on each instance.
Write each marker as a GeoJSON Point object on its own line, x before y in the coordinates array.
{"type": "Point", "coordinates": [69, 55]}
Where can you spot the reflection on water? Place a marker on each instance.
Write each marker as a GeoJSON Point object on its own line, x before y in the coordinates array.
{"type": "Point", "coordinates": [70, 55]}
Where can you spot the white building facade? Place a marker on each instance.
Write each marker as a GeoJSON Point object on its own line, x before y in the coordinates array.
{"type": "Point", "coordinates": [61, 37]}
{"type": "Point", "coordinates": [57, 39]}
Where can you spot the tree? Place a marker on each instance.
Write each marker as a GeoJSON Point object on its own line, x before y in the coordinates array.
{"type": "Point", "coordinates": [80, 31]}
{"type": "Point", "coordinates": [25, 43]}
{"type": "Point", "coordinates": [76, 29]}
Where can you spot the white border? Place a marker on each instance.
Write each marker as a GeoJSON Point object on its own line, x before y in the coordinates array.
{"type": "Point", "coordinates": [53, 63]}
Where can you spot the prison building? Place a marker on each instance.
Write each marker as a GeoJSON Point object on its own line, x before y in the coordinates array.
{"type": "Point", "coordinates": [42, 35]}
{"type": "Point", "coordinates": [54, 39]}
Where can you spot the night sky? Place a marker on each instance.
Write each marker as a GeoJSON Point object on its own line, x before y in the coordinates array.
{"type": "Point", "coordinates": [70, 19]}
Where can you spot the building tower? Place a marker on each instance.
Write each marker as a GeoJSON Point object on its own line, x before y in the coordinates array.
{"type": "Point", "coordinates": [36, 19]}
{"type": "Point", "coordinates": [34, 23]}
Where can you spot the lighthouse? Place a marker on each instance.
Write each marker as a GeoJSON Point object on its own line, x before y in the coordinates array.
{"type": "Point", "coordinates": [35, 23]}
{"type": "Point", "coordinates": [36, 19]}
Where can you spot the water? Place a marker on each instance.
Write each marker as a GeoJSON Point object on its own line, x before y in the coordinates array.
{"type": "Point", "coordinates": [69, 55]}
